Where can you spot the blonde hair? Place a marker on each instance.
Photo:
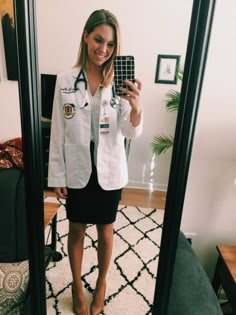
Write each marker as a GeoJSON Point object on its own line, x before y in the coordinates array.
{"type": "Point", "coordinates": [98, 18]}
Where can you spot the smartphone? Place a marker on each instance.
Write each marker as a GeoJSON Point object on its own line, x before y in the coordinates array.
{"type": "Point", "coordinates": [123, 69]}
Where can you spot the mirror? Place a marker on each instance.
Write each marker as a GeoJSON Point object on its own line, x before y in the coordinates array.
{"type": "Point", "coordinates": [130, 45]}
{"type": "Point", "coordinates": [56, 55]}
{"type": "Point", "coordinates": [148, 95]}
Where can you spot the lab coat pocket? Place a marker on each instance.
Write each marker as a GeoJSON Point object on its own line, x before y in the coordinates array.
{"type": "Point", "coordinates": [118, 166]}
{"type": "Point", "coordinates": [78, 165]}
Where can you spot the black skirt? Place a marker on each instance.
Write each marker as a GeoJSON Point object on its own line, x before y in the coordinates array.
{"type": "Point", "coordinates": [92, 204]}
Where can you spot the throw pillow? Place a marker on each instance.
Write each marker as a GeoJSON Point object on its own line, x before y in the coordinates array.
{"type": "Point", "coordinates": [14, 278]}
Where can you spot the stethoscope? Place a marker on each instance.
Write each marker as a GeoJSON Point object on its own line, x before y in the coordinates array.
{"type": "Point", "coordinates": [114, 102]}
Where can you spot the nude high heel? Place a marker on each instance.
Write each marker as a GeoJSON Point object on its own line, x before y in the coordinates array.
{"type": "Point", "coordinates": [98, 302]}
{"type": "Point", "coordinates": [82, 311]}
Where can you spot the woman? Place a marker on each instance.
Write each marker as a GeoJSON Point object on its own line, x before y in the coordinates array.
{"type": "Point", "coordinates": [87, 160]}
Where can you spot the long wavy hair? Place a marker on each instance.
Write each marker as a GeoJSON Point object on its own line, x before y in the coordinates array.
{"type": "Point", "coordinates": [98, 18]}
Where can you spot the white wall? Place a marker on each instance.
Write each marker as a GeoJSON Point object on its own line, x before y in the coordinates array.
{"type": "Point", "coordinates": [210, 201]}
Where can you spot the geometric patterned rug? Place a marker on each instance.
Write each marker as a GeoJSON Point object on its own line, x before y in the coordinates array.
{"type": "Point", "coordinates": [132, 274]}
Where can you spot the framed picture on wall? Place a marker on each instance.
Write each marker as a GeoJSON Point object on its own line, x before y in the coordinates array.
{"type": "Point", "coordinates": [167, 69]}
{"type": "Point", "coordinates": [9, 38]}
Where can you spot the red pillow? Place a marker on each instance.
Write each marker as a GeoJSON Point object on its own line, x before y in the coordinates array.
{"type": "Point", "coordinates": [11, 154]}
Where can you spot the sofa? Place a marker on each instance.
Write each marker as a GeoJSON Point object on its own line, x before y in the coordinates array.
{"type": "Point", "coordinates": [14, 270]}
{"type": "Point", "coordinates": [191, 290]}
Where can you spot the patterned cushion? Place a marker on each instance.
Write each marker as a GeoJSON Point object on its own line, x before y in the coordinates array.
{"type": "Point", "coordinates": [11, 154]}
{"type": "Point", "coordinates": [14, 278]}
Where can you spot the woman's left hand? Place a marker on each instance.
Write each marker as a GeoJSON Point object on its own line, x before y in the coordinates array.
{"type": "Point", "coordinates": [133, 97]}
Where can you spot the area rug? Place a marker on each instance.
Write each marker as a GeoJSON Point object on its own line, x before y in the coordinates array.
{"type": "Point", "coordinates": [132, 274]}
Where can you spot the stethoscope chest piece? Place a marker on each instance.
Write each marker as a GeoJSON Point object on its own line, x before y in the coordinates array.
{"type": "Point", "coordinates": [114, 102]}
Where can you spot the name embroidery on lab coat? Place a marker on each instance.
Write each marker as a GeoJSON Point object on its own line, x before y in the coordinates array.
{"type": "Point", "coordinates": [69, 110]}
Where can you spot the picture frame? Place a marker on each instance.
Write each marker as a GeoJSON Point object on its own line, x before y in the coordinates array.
{"type": "Point", "coordinates": [9, 38]}
{"type": "Point", "coordinates": [167, 69]}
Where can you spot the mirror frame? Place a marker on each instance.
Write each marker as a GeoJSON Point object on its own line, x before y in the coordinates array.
{"type": "Point", "coordinates": [30, 108]}
{"type": "Point", "coordinates": [195, 61]}
{"type": "Point", "coordinates": [199, 34]}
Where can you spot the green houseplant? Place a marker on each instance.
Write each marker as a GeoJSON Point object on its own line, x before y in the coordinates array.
{"type": "Point", "coordinates": [161, 142]}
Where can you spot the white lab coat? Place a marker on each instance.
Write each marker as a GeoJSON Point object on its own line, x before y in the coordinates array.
{"type": "Point", "coordinates": [69, 154]}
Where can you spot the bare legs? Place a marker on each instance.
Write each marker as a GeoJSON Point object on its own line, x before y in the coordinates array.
{"type": "Point", "coordinates": [104, 252]}
{"type": "Point", "coordinates": [75, 251]}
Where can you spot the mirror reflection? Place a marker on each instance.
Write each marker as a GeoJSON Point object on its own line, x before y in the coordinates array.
{"type": "Point", "coordinates": [146, 32]}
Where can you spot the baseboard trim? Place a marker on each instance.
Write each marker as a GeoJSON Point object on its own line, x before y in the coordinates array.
{"type": "Point", "coordinates": [147, 186]}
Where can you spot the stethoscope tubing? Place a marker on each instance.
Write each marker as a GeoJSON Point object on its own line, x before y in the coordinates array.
{"type": "Point", "coordinates": [82, 78]}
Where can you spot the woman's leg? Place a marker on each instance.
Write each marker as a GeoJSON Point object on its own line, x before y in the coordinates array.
{"type": "Point", "coordinates": [75, 250]}
{"type": "Point", "coordinates": [104, 253]}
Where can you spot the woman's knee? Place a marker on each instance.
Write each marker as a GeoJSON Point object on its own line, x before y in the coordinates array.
{"type": "Point", "coordinates": [77, 231]}
{"type": "Point", "coordinates": [105, 231]}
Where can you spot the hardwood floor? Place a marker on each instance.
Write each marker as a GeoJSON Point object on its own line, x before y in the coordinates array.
{"type": "Point", "coordinates": [143, 198]}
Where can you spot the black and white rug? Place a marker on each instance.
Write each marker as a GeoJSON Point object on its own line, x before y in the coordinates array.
{"type": "Point", "coordinates": [132, 274]}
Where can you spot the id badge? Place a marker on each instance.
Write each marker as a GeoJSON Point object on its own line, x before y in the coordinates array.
{"type": "Point", "coordinates": [104, 125]}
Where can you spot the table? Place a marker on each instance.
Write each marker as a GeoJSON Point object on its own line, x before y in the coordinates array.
{"type": "Point", "coordinates": [225, 273]}
{"type": "Point", "coordinates": [50, 211]}
{"type": "Point", "coordinates": [50, 217]}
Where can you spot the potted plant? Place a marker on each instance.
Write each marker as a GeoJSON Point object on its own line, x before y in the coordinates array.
{"type": "Point", "coordinates": [161, 142]}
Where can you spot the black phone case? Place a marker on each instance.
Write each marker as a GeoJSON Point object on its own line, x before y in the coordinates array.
{"type": "Point", "coordinates": [123, 69]}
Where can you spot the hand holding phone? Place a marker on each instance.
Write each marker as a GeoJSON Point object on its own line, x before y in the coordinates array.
{"type": "Point", "coordinates": [123, 70]}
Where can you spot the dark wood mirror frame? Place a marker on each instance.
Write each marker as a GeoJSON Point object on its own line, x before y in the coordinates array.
{"type": "Point", "coordinates": [25, 21]}
{"type": "Point", "coordinates": [199, 34]}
